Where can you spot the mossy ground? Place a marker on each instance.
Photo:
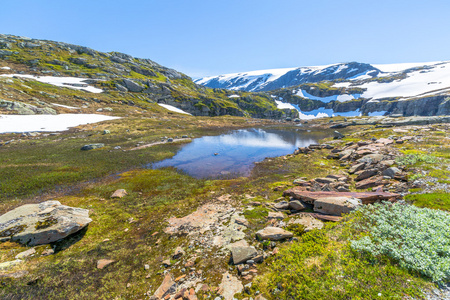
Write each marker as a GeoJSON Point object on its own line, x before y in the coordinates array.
{"type": "Point", "coordinates": [130, 230]}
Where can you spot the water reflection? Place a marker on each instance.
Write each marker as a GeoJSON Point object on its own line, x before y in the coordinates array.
{"type": "Point", "coordinates": [235, 152]}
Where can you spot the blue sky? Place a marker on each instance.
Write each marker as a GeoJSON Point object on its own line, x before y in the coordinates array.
{"type": "Point", "coordinates": [212, 37]}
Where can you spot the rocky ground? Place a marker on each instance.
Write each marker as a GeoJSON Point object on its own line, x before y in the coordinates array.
{"type": "Point", "coordinates": [217, 241]}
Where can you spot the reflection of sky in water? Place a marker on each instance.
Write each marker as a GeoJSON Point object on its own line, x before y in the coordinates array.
{"type": "Point", "coordinates": [237, 151]}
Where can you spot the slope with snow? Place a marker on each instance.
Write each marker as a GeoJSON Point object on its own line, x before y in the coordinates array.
{"type": "Point", "coordinates": [68, 82]}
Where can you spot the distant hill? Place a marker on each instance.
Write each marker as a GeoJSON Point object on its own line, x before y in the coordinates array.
{"type": "Point", "coordinates": [407, 89]}
{"type": "Point", "coordinates": [119, 78]}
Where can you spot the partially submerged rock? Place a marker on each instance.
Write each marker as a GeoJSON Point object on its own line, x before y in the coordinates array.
{"type": "Point", "coordinates": [43, 223]}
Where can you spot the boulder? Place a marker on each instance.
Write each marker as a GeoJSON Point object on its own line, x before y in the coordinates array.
{"type": "Point", "coordinates": [371, 159]}
{"type": "Point", "coordinates": [296, 205]}
{"type": "Point", "coordinates": [370, 182]}
{"type": "Point", "coordinates": [275, 215]}
{"type": "Point", "coordinates": [273, 234]}
{"type": "Point", "coordinates": [9, 264]}
{"type": "Point", "coordinates": [282, 205]}
{"type": "Point", "coordinates": [179, 252]}
{"type": "Point", "coordinates": [336, 206]}
{"type": "Point", "coordinates": [43, 223]}
{"type": "Point", "coordinates": [338, 135]}
{"type": "Point", "coordinates": [241, 254]}
{"type": "Point", "coordinates": [132, 86]}
{"type": "Point", "coordinates": [364, 174]}
{"type": "Point", "coordinates": [365, 197]}
{"type": "Point", "coordinates": [92, 146]}
{"type": "Point", "coordinates": [325, 180]}
{"type": "Point", "coordinates": [391, 172]}
{"type": "Point", "coordinates": [356, 168]}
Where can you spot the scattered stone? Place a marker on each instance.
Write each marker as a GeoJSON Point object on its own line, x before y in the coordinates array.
{"type": "Point", "coordinates": [273, 234]}
{"type": "Point", "coordinates": [301, 182]}
{"type": "Point", "coordinates": [282, 205]}
{"type": "Point", "coordinates": [275, 215]}
{"type": "Point", "coordinates": [9, 264]}
{"type": "Point", "coordinates": [43, 223]}
{"type": "Point", "coordinates": [15, 275]}
{"type": "Point", "coordinates": [106, 132]}
{"type": "Point", "coordinates": [296, 205]}
{"type": "Point", "coordinates": [391, 172]}
{"type": "Point", "coordinates": [167, 287]}
{"type": "Point", "coordinates": [229, 286]}
{"type": "Point", "coordinates": [325, 180]}
{"type": "Point", "coordinates": [241, 254]}
{"type": "Point", "coordinates": [308, 221]}
{"type": "Point", "coordinates": [166, 263]}
{"type": "Point", "coordinates": [92, 146]}
{"type": "Point", "coordinates": [364, 174]}
{"type": "Point", "coordinates": [26, 253]}
{"type": "Point", "coordinates": [48, 252]}
{"type": "Point", "coordinates": [338, 135]}
{"type": "Point", "coordinates": [102, 263]}
{"type": "Point", "coordinates": [120, 193]}
{"type": "Point", "coordinates": [370, 182]}
{"type": "Point", "coordinates": [242, 221]}
{"type": "Point", "coordinates": [179, 252]}
{"type": "Point", "coordinates": [356, 168]}
{"type": "Point", "coordinates": [336, 205]}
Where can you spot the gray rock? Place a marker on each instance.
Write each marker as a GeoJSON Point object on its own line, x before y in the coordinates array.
{"type": "Point", "coordinates": [296, 205]}
{"type": "Point", "coordinates": [282, 205]}
{"type": "Point", "coordinates": [43, 223]}
{"type": "Point", "coordinates": [356, 168]}
{"type": "Point", "coordinates": [275, 215]}
{"type": "Point", "coordinates": [92, 146]}
{"type": "Point", "coordinates": [336, 206]}
{"type": "Point", "coordinates": [273, 234]}
{"type": "Point", "coordinates": [241, 254]}
{"type": "Point", "coordinates": [366, 174]}
{"type": "Point", "coordinates": [132, 86]}
{"type": "Point", "coordinates": [179, 252]}
{"type": "Point", "coordinates": [106, 132]}
{"type": "Point", "coordinates": [338, 135]}
{"type": "Point", "coordinates": [390, 172]}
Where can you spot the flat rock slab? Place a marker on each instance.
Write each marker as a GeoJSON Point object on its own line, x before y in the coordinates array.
{"type": "Point", "coordinates": [120, 193]}
{"type": "Point", "coordinates": [336, 206]}
{"type": "Point", "coordinates": [199, 221]}
{"type": "Point", "coordinates": [241, 254]}
{"type": "Point", "coordinates": [229, 286]}
{"type": "Point", "coordinates": [43, 223]}
{"type": "Point", "coordinates": [365, 197]}
{"type": "Point", "coordinates": [92, 146]}
{"type": "Point", "coordinates": [167, 287]}
{"type": "Point", "coordinates": [308, 221]}
{"type": "Point", "coordinates": [273, 234]}
{"type": "Point", "coordinates": [102, 263]}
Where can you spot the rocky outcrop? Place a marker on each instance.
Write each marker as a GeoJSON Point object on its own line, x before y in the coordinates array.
{"type": "Point", "coordinates": [26, 109]}
{"type": "Point", "coordinates": [43, 223]}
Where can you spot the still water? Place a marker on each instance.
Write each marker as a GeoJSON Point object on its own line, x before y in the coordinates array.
{"type": "Point", "coordinates": [233, 154]}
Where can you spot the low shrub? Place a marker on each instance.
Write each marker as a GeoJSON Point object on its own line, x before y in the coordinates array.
{"type": "Point", "coordinates": [418, 239]}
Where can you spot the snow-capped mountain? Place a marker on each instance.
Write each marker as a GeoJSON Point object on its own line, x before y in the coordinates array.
{"type": "Point", "coordinates": [350, 88]}
{"type": "Point", "coordinates": [267, 80]}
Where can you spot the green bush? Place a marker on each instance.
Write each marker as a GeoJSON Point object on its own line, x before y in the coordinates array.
{"type": "Point", "coordinates": [416, 238]}
{"type": "Point", "coordinates": [412, 159]}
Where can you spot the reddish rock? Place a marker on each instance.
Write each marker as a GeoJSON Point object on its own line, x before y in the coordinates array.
{"type": "Point", "coordinates": [365, 197]}
{"type": "Point", "coordinates": [167, 287]}
{"type": "Point", "coordinates": [370, 182]}
{"type": "Point", "coordinates": [364, 174]}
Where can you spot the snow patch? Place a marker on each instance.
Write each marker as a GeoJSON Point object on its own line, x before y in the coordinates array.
{"type": "Point", "coordinates": [68, 82]}
{"type": "Point", "coordinates": [5, 68]}
{"type": "Point", "coordinates": [173, 108]}
{"type": "Point", "coordinates": [65, 106]}
{"type": "Point", "coordinates": [283, 105]}
{"type": "Point", "coordinates": [234, 96]}
{"type": "Point", "coordinates": [28, 123]}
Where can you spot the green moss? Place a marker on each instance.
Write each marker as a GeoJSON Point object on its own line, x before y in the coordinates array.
{"type": "Point", "coordinates": [430, 200]}
{"type": "Point", "coordinates": [12, 231]}
{"type": "Point", "coordinates": [47, 222]}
